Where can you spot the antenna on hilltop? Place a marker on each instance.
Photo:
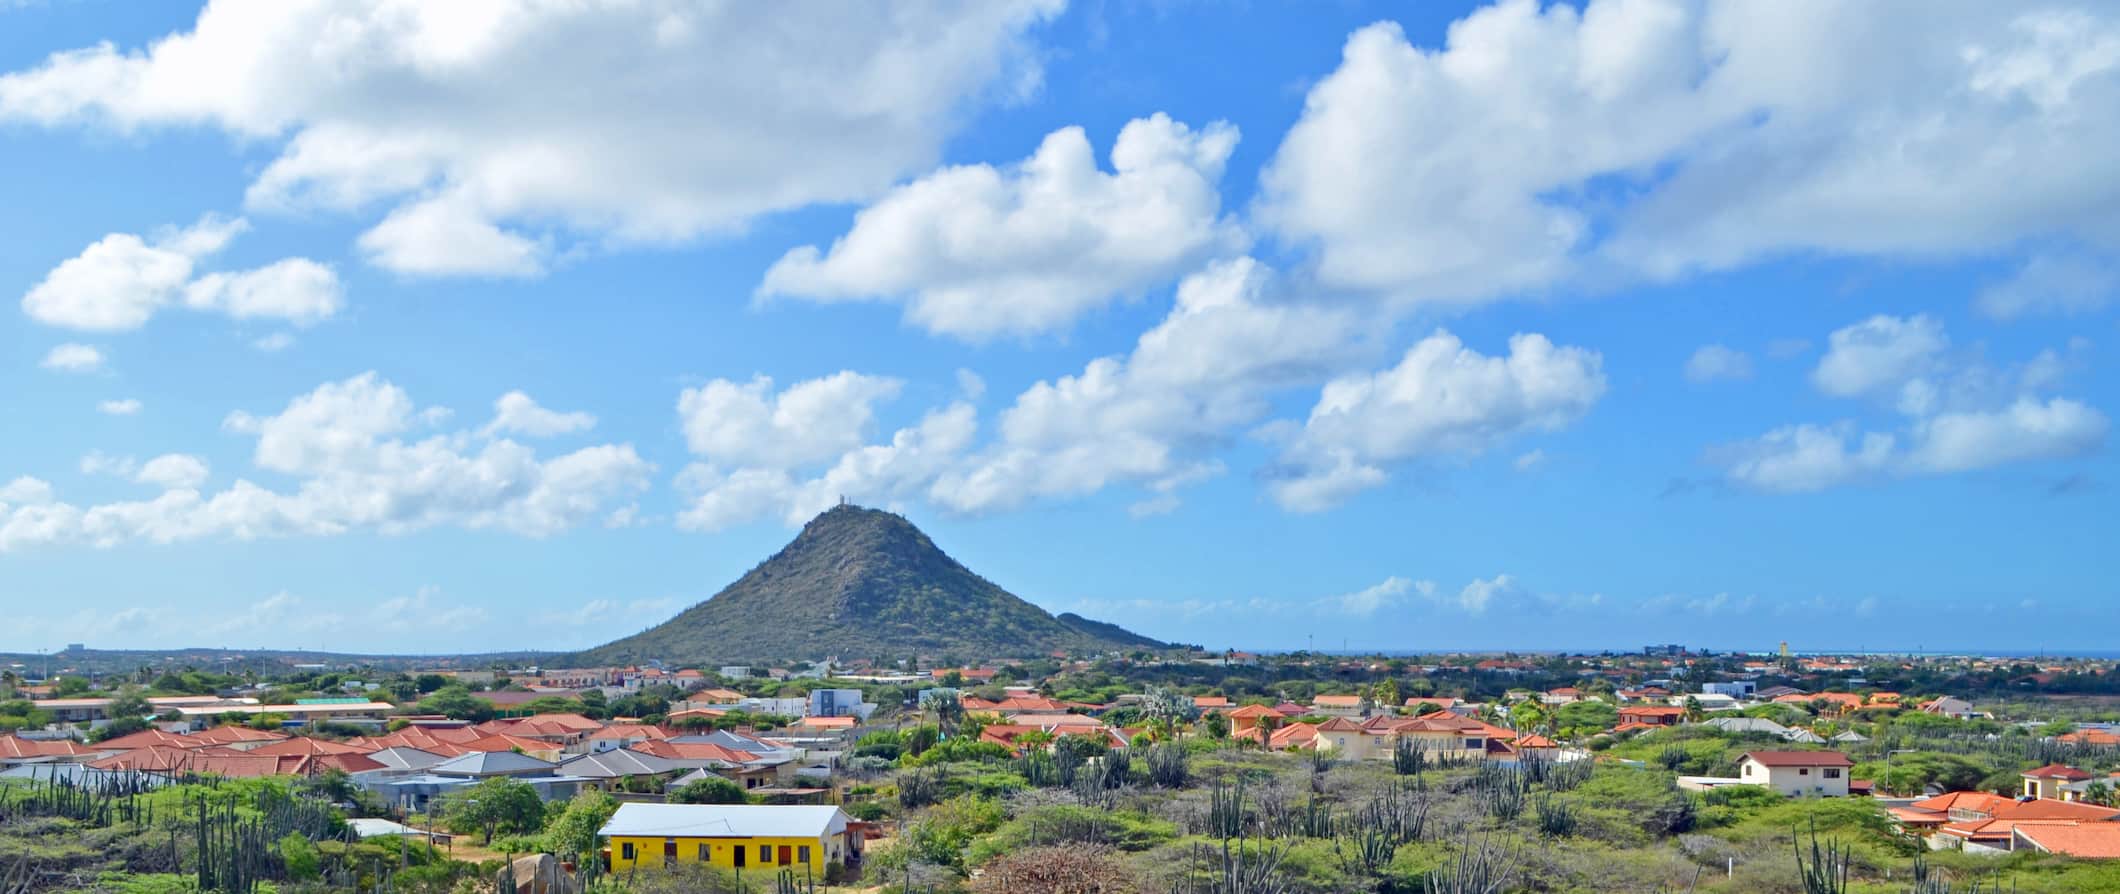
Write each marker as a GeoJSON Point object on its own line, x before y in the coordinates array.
{"type": "Point", "coordinates": [842, 499]}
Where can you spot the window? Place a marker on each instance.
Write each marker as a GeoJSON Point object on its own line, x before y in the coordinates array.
{"type": "Point", "coordinates": [765, 853]}
{"type": "Point", "coordinates": [625, 851]}
{"type": "Point", "coordinates": [1748, 769]}
{"type": "Point", "coordinates": [669, 848]}
{"type": "Point", "coordinates": [802, 854]}
{"type": "Point", "coordinates": [706, 854]}
{"type": "Point", "coordinates": [1803, 771]}
{"type": "Point", "coordinates": [1832, 772]}
{"type": "Point", "coordinates": [1474, 744]}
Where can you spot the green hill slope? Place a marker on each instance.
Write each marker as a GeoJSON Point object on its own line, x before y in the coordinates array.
{"type": "Point", "coordinates": [862, 583]}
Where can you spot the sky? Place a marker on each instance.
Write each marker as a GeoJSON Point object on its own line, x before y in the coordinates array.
{"type": "Point", "coordinates": [394, 327]}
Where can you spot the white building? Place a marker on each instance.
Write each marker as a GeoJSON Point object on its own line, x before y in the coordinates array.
{"type": "Point", "coordinates": [1797, 773]}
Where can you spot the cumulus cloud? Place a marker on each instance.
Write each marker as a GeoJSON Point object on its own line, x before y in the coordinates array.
{"type": "Point", "coordinates": [473, 127]}
{"type": "Point", "coordinates": [1442, 399]}
{"type": "Point", "coordinates": [1374, 598]}
{"type": "Point", "coordinates": [749, 423]}
{"type": "Point", "coordinates": [2051, 283]}
{"type": "Point", "coordinates": [1960, 413]}
{"type": "Point", "coordinates": [516, 413]}
{"type": "Point", "coordinates": [74, 358]}
{"type": "Point", "coordinates": [1882, 356]}
{"type": "Point", "coordinates": [1152, 417]}
{"type": "Point", "coordinates": [363, 456]}
{"type": "Point", "coordinates": [121, 407]}
{"type": "Point", "coordinates": [1712, 363]}
{"type": "Point", "coordinates": [977, 251]}
{"type": "Point", "coordinates": [173, 471]}
{"type": "Point", "coordinates": [1658, 138]}
{"type": "Point", "coordinates": [121, 281]}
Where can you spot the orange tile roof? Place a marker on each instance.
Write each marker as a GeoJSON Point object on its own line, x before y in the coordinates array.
{"type": "Point", "coordinates": [694, 751]}
{"type": "Point", "coordinates": [2090, 841]}
{"type": "Point", "coordinates": [301, 745]}
{"type": "Point", "coordinates": [1977, 802]}
{"type": "Point", "coordinates": [13, 746]}
{"type": "Point", "coordinates": [2051, 809]}
{"type": "Point", "coordinates": [508, 743]}
{"type": "Point", "coordinates": [148, 738]}
{"type": "Point", "coordinates": [229, 734]}
{"type": "Point", "coordinates": [2057, 771]}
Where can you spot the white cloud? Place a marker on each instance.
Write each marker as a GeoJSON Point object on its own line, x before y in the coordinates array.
{"type": "Point", "coordinates": [2027, 429]}
{"type": "Point", "coordinates": [173, 471]}
{"type": "Point", "coordinates": [1442, 399]}
{"type": "Point", "coordinates": [1500, 593]}
{"type": "Point", "coordinates": [1374, 598]}
{"type": "Point", "coordinates": [96, 462]}
{"type": "Point", "coordinates": [1530, 460]}
{"type": "Point", "coordinates": [970, 384]}
{"type": "Point", "coordinates": [474, 125]}
{"type": "Point", "coordinates": [274, 343]}
{"type": "Point", "coordinates": [351, 450]}
{"type": "Point", "coordinates": [979, 252]}
{"type": "Point", "coordinates": [447, 237]}
{"type": "Point", "coordinates": [298, 291]}
{"type": "Point", "coordinates": [1150, 418]}
{"type": "Point", "coordinates": [1544, 142]}
{"type": "Point", "coordinates": [74, 358]}
{"type": "Point", "coordinates": [1715, 362]}
{"type": "Point", "coordinates": [120, 407]}
{"type": "Point", "coordinates": [1802, 458]}
{"type": "Point", "coordinates": [811, 421]}
{"type": "Point", "coordinates": [121, 281]}
{"type": "Point", "coordinates": [516, 413]}
{"type": "Point", "coordinates": [2050, 283]}
{"type": "Point", "coordinates": [1882, 356]}
{"type": "Point", "coordinates": [25, 491]}
{"type": "Point", "coordinates": [1962, 414]}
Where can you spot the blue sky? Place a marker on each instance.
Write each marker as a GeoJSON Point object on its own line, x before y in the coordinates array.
{"type": "Point", "coordinates": [1399, 326]}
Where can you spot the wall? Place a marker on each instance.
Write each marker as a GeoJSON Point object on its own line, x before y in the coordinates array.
{"type": "Point", "coordinates": [649, 852]}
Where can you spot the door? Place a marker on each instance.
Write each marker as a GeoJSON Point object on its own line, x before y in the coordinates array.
{"type": "Point", "coordinates": [739, 856]}
{"type": "Point", "coordinates": [784, 855]}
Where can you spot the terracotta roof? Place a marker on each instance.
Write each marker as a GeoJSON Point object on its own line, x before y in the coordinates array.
{"type": "Point", "coordinates": [303, 745]}
{"type": "Point", "coordinates": [1977, 802]}
{"type": "Point", "coordinates": [1800, 758]}
{"type": "Point", "coordinates": [1337, 701]}
{"type": "Point", "coordinates": [1340, 725]}
{"type": "Point", "coordinates": [229, 734]}
{"type": "Point", "coordinates": [147, 738]}
{"type": "Point", "coordinates": [1914, 817]}
{"type": "Point", "coordinates": [694, 751]}
{"type": "Point", "coordinates": [1534, 741]}
{"type": "Point", "coordinates": [508, 743]}
{"type": "Point", "coordinates": [2052, 809]}
{"type": "Point", "coordinates": [2090, 841]}
{"type": "Point", "coordinates": [13, 746]}
{"type": "Point", "coordinates": [1294, 735]}
{"type": "Point", "coordinates": [1254, 712]}
{"type": "Point", "coordinates": [2057, 771]}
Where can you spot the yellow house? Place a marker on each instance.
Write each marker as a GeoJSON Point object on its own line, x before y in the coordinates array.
{"type": "Point", "coordinates": [731, 836]}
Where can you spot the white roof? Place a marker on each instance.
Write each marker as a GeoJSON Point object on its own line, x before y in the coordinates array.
{"type": "Point", "coordinates": [725, 821]}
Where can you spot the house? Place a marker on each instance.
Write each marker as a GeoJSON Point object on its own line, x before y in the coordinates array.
{"type": "Point", "coordinates": [1251, 716]}
{"type": "Point", "coordinates": [1823, 773]}
{"type": "Point", "coordinates": [1338, 706]}
{"type": "Point", "coordinates": [1440, 735]}
{"type": "Point", "coordinates": [2057, 782]}
{"type": "Point", "coordinates": [839, 703]}
{"type": "Point", "coordinates": [1652, 715]}
{"type": "Point", "coordinates": [762, 838]}
{"type": "Point", "coordinates": [1954, 708]}
{"type": "Point", "coordinates": [1998, 833]}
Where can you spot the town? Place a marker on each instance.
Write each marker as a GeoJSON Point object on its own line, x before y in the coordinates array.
{"type": "Point", "coordinates": [926, 775]}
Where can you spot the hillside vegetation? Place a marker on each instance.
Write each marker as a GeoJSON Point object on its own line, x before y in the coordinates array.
{"type": "Point", "coordinates": [862, 583]}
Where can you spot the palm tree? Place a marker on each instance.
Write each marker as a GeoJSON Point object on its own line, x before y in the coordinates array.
{"type": "Point", "coordinates": [1694, 712]}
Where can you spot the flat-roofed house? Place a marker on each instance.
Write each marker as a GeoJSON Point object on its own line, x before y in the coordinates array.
{"type": "Point", "coordinates": [761, 838]}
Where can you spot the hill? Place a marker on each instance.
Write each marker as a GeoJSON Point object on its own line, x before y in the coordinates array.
{"type": "Point", "coordinates": [862, 583]}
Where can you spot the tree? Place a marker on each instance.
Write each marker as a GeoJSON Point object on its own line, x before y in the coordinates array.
{"type": "Point", "coordinates": [1387, 694]}
{"type": "Point", "coordinates": [572, 830]}
{"type": "Point", "coordinates": [1693, 711]}
{"type": "Point", "coordinates": [1215, 725]}
{"type": "Point", "coordinates": [128, 703]}
{"type": "Point", "coordinates": [496, 804]}
{"type": "Point", "coordinates": [67, 687]}
{"type": "Point", "coordinates": [123, 726]}
{"type": "Point", "coordinates": [709, 790]}
{"type": "Point", "coordinates": [948, 711]}
{"type": "Point", "coordinates": [458, 703]}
